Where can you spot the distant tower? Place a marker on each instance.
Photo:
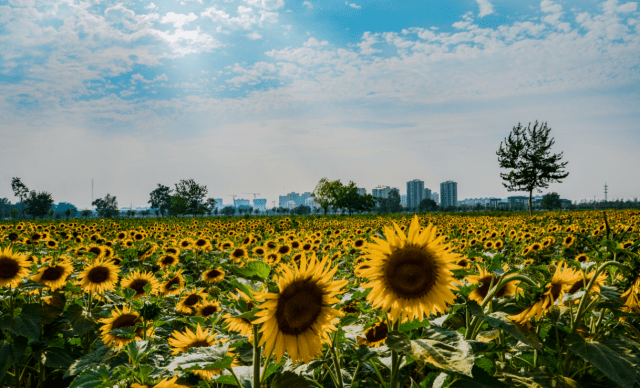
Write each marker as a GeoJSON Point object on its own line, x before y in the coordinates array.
{"type": "Point", "coordinates": [605, 191]}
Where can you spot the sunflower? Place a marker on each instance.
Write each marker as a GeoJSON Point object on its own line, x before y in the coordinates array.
{"type": "Point", "coordinates": [208, 308]}
{"type": "Point", "coordinates": [51, 244]}
{"type": "Point", "coordinates": [97, 250]}
{"type": "Point", "coordinates": [350, 308]}
{"type": "Point", "coordinates": [498, 244]}
{"type": "Point", "coordinates": [190, 301]}
{"type": "Point", "coordinates": [562, 279]}
{"type": "Point", "coordinates": [376, 335]}
{"type": "Point", "coordinates": [630, 297]}
{"type": "Point", "coordinates": [239, 325]}
{"type": "Point", "coordinates": [148, 252]}
{"type": "Point", "coordinates": [579, 284]}
{"type": "Point", "coordinates": [13, 267]}
{"type": "Point", "coordinates": [137, 281]}
{"type": "Point", "coordinates": [54, 275]}
{"type": "Point", "coordinates": [410, 276]}
{"type": "Point", "coordinates": [272, 258]}
{"type": "Point", "coordinates": [238, 254]}
{"type": "Point", "coordinates": [182, 342]}
{"type": "Point", "coordinates": [535, 247]}
{"type": "Point", "coordinates": [226, 245]}
{"type": "Point", "coordinates": [100, 276]}
{"type": "Point", "coordinates": [568, 241]}
{"type": "Point", "coordinates": [121, 319]}
{"type": "Point", "coordinates": [260, 251]}
{"type": "Point", "coordinates": [299, 317]}
{"type": "Point", "coordinates": [202, 244]}
{"type": "Point", "coordinates": [213, 275]}
{"type": "Point", "coordinates": [164, 383]}
{"type": "Point", "coordinates": [185, 243]}
{"type": "Point", "coordinates": [485, 278]}
{"type": "Point", "coordinates": [172, 251]}
{"type": "Point", "coordinates": [172, 280]}
{"type": "Point", "coordinates": [582, 258]}
{"type": "Point", "coordinates": [167, 261]}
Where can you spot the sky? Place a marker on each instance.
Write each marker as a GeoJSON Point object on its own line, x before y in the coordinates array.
{"type": "Point", "coordinates": [270, 96]}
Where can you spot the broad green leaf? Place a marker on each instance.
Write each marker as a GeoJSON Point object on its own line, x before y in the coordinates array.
{"type": "Point", "coordinates": [289, 380]}
{"type": "Point", "coordinates": [500, 320]}
{"type": "Point", "coordinates": [99, 355]}
{"type": "Point", "coordinates": [81, 321]}
{"type": "Point", "coordinates": [26, 324]}
{"type": "Point", "coordinates": [615, 364]}
{"type": "Point", "coordinates": [261, 269]}
{"type": "Point", "coordinates": [91, 378]}
{"type": "Point", "coordinates": [58, 358]}
{"type": "Point", "coordinates": [442, 348]}
{"type": "Point", "coordinates": [211, 357]}
{"type": "Point", "coordinates": [409, 326]}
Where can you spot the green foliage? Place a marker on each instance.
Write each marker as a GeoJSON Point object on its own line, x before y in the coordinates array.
{"type": "Point", "coordinates": [551, 201]}
{"type": "Point", "coordinates": [427, 205]}
{"type": "Point", "coordinates": [391, 204]}
{"type": "Point", "coordinates": [528, 156]}
{"type": "Point", "coordinates": [347, 198]}
{"type": "Point", "coordinates": [160, 198]}
{"type": "Point", "coordinates": [192, 194]}
{"type": "Point", "coordinates": [106, 207]}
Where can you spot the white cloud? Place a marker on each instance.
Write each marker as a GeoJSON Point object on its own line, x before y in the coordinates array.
{"type": "Point", "coordinates": [367, 41]}
{"type": "Point", "coordinates": [151, 6]}
{"type": "Point", "coordinates": [308, 4]}
{"type": "Point", "coordinates": [352, 5]}
{"type": "Point", "coordinates": [254, 35]}
{"type": "Point", "coordinates": [485, 8]}
{"type": "Point", "coordinates": [266, 4]}
{"type": "Point", "coordinates": [246, 18]}
{"type": "Point", "coordinates": [550, 7]}
{"type": "Point", "coordinates": [313, 42]}
{"type": "Point", "coordinates": [178, 20]}
{"type": "Point", "coordinates": [628, 7]}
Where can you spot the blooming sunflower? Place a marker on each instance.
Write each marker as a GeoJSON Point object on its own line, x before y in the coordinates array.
{"type": "Point", "coordinates": [582, 257]}
{"type": "Point", "coordinates": [630, 297]}
{"type": "Point", "coordinates": [579, 284]}
{"type": "Point", "coordinates": [299, 317]}
{"type": "Point", "coordinates": [208, 308]}
{"type": "Point", "coordinates": [568, 241]}
{"type": "Point", "coordinates": [100, 276]}
{"type": "Point", "coordinates": [238, 254]}
{"type": "Point", "coordinates": [562, 279]}
{"type": "Point", "coordinates": [54, 275]}
{"type": "Point", "coordinates": [171, 280]}
{"type": "Point", "coordinates": [138, 280]}
{"type": "Point", "coordinates": [185, 243]}
{"type": "Point", "coordinates": [410, 276]}
{"type": "Point", "coordinates": [190, 301]}
{"type": "Point", "coordinates": [183, 341]}
{"type": "Point", "coordinates": [484, 278]}
{"type": "Point", "coordinates": [213, 275]}
{"type": "Point", "coordinates": [167, 261]}
{"type": "Point", "coordinates": [121, 319]}
{"type": "Point", "coordinates": [376, 335]}
{"type": "Point", "coordinates": [13, 267]}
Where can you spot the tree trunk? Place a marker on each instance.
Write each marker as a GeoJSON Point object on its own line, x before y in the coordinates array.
{"type": "Point", "coordinates": [530, 208]}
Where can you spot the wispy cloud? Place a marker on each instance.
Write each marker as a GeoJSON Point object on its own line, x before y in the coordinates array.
{"type": "Point", "coordinates": [352, 5]}
{"type": "Point", "coordinates": [485, 8]}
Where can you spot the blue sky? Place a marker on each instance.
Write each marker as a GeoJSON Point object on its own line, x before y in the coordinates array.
{"type": "Point", "coordinates": [269, 96]}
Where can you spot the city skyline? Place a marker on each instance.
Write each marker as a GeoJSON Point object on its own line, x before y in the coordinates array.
{"type": "Point", "coordinates": [271, 96]}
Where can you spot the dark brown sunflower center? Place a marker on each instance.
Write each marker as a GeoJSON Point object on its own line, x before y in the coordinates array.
{"type": "Point", "coordinates": [171, 282]}
{"type": "Point", "coordinates": [283, 250]}
{"type": "Point", "coordinates": [212, 274]}
{"type": "Point", "coordinates": [377, 333]}
{"type": "Point", "coordinates": [238, 253]}
{"type": "Point", "coordinates": [138, 285]}
{"type": "Point", "coordinates": [198, 344]}
{"type": "Point", "coordinates": [555, 290]}
{"type": "Point", "coordinates": [125, 320]}
{"type": "Point", "coordinates": [576, 286]}
{"type": "Point", "coordinates": [98, 274]}
{"type": "Point", "coordinates": [8, 268]}
{"type": "Point", "coordinates": [201, 243]}
{"type": "Point", "coordinates": [191, 300]}
{"type": "Point", "coordinates": [208, 310]}
{"type": "Point", "coordinates": [52, 273]}
{"type": "Point", "coordinates": [96, 250]}
{"type": "Point", "coordinates": [411, 272]}
{"type": "Point", "coordinates": [168, 260]}
{"type": "Point", "coordinates": [299, 306]}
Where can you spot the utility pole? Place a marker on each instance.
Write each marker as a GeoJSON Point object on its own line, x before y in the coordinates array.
{"type": "Point", "coordinates": [91, 192]}
{"type": "Point", "coordinates": [605, 191]}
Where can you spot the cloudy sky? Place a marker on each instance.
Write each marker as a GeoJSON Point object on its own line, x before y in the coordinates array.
{"type": "Point", "coordinates": [269, 96]}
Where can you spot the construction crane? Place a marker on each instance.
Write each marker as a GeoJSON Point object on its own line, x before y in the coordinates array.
{"type": "Point", "coordinates": [254, 194]}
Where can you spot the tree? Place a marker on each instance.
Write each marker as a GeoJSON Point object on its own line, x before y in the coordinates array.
{"type": "Point", "coordinates": [347, 197]}
{"type": "Point", "coordinates": [160, 198]}
{"type": "Point", "coordinates": [20, 191]}
{"type": "Point", "coordinates": [38, 205]}
{"type": "Point", "coordinates": [427, 205]}
{"type": "Point", "coordinates": [228, 211]}
{"type": "Point", "coordinates": [179, 206]}
{"type": "Point", "coordinates": [551, 201]}
{"type": "Point", "coordinates": [394, 202]}
{"type": "Point", "coordinates": [106, 207]}
{"type": "Point", "coordinates": [210, 205]}
{"type": "Point", "coordinates": [301, 210]}
{"type": "Point", "coordinates": [5, 207]}
{"type": "Point", "coordinates": [85, 213]}
{"type": "Point", "coordinates": [528, 156]}
{"type": "Point", "coordinates": [325, 193]}
{"type": "Point", "coordinates": [68, 213]}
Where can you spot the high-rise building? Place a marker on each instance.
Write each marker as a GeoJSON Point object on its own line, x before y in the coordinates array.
{"type": "Point", "coordinates": [427, 193]}
{"type": "Point", "coordinates": [362, 191]}
{"type": "Point", "coordinates": [403, 200]}
{"type": "Point", "coordinates": [415, 191]}
{"type": "Point", "coordinates": [449, 193]}
{"type": "Point", "coordinates": [381, 192]}
{"type": "Point", "coordinates": [260, 204]}
{"type": "Point", "coordinates": [302, 199]}
{"type": "Point", "coordinates": [219, 204]}
{"type": "Point", "coordinates": [241, 202]}
{"type": "Point", "coordinates": [435, 197]}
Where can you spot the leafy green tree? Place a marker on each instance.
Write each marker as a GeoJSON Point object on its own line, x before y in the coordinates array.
{"type": "Point", "coordinates": [14, 213]}
{"type": "Point", "coordinates": [551, 201]}
{"type": "Point", "coordinates": [68, 213]}
{"type": "Point", "coordinates": [325, 193]}
{"type": "Point", "coordinates": [228, 211]}
{"type": "Point", "coordinates": [427, 205]}
{"type": "Point", "coordinates": [210, 205]}
{"type": "Point", "coordinates": [179, 206]}
{"type": "Point", "coordinates": [347, 198]}
{"type": "Point", "coordinates": [5, 208]}
{"type": "Point", "coordinates": [20, 191]}
{"type": "Point", "coordinates": [38, 205]}
{"type": "Point", "coordinates": [394, 202]}
{"type": "Point", "coordinates": [106, 207]}
{"type": "Point", "coordinates": [160, 199]}
{"type": "Point", "coordinates": [301, 210]}
{"type": "Point", "coordinates": [527, 154]}
{"type": "Point", "coordinates": [193, 194]}
{"type": "Point", "coordinates": [85, 213]}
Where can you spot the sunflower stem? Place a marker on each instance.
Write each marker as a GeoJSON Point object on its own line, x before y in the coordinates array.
{"type": "Point", "coordinates": [336, 363]}
{"type": "Point", "coordinates": [382, 382]}
{"type": "Point", "coordinates": [256, 357]}
{"type": "Point", "coordinates": [235, 377]}
{"type": "Point", "coordinates": [395, 360]}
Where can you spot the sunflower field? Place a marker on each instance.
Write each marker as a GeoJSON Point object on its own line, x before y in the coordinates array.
{"type": "Point", "coordinates": [428, 300]}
